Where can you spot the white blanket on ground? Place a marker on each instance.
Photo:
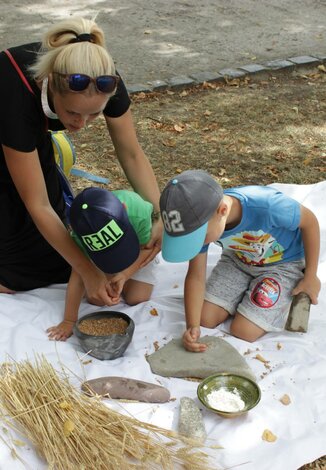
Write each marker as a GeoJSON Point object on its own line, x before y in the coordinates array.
{"type": "Point", "coordinates": [298, 368]}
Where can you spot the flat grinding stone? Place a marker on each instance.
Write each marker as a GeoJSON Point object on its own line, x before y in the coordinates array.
{"type": "Point", "coordinates": [172, 360]}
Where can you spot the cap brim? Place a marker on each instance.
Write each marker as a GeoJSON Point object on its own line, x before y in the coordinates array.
{"type": "Point", "coordinates": [184, 247]}
{"type": "Point", "coordinates": [119, 256]}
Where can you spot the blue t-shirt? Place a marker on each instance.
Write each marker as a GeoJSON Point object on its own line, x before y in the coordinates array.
{"type": "Point", "coordinates": [269, 228]}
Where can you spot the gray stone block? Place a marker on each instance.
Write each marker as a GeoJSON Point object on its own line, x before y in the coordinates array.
{"type": "Point", "coordinates": [202, 77]}
{"type": "Point", "coordinates": [279, 64]}
{"type": "Point", "coordinates": [304, 60]}
{"type": "Point", "coordinates": [191, 422]}
{"type": "Point", "coordinates": [232, 73]}
{"type": "Point", "coordinates": [138, 88]}
{"type": "Point", "coordinates": [180, 82]}
{"type": "Point", "coordinates": [299, 313]}
{"type": "Point", "coordinates": [320, 57]}
{"type": "Point", "coordinates": [253, 68]}
{"type": "Point", "coordinates": [158, 85]}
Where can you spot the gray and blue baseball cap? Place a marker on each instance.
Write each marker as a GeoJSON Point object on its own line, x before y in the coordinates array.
{"type": "Point", "coordinates": [187, 203]}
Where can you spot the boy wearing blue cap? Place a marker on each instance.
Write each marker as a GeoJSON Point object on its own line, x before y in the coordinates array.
{"type": "Point", "coordinates": [111, 227]}
{"type": "Point", "coordinates": [270, 249]}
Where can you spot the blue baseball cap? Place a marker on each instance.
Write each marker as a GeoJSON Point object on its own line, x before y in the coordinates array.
{"type": "Point", "coordinates": [187, 203]}
{"type": "Point", "coordinates": [101, 223]}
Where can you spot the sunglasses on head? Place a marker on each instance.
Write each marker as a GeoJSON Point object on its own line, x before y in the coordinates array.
{"type": "Point", "coordinates": [79, 82]}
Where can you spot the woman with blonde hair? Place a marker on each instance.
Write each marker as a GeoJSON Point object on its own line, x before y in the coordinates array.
{"type": "Point", "coordinates": [63, 83]}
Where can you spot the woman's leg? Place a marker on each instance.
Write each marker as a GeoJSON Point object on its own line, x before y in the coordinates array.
{"type": "Point", "coordinates": [5, 290]}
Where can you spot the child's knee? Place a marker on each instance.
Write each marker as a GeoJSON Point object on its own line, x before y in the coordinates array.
{"type": "Point", "coordinates": [212, 315]}
{"type": "Point", "coordinates": [244, 329]}
{"type": "Point", "coordinates": [137, 296]}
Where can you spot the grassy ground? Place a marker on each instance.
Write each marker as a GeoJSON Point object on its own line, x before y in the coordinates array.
{"type": "Point", "coordinates": [243, 132]}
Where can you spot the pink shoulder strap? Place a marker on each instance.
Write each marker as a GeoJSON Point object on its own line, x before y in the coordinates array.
{"type": "Point", "coordinates": [24, 79]}
{"type": "Point", "coordinates": [20, 73]}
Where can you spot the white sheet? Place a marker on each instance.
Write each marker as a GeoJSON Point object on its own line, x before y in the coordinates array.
{"type": "Point", "coordinates": [297, 369]}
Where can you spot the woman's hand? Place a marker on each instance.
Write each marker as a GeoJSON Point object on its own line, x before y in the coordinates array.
{"type": "Point", "coordinates": [98, 289]}
{"type": "Point", "coordinates": [117, 283]}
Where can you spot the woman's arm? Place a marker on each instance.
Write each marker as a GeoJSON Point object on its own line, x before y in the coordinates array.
{"type": "Point", "coordinates": [137, 168]}
{"type": "Point", "coordinates": [27, 176]}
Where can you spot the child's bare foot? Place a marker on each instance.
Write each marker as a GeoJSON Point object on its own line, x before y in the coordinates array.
{"type": "Point", "coordinates": [60, 332]}
{"type": "Point", "coordinates": [5, 290]}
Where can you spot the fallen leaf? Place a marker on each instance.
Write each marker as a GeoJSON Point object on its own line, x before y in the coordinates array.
{"type": "Point", "coordinates": [279, 346]}
{"type": "Point", "coordinates": [268, 436]}
{"type": "Point", "coordinates": [322, 68]}
{"type": "Point", "coordinates": [285, 399]}
{"type": "Point", "coordinates": [178, 128]}
{"type": "Point", "coordinates": [307, 161]}
{"type": "Point", "coordinates": [156, 345]}
{"type": "Point", "coordinates": [153, 312]}
{"type": "Point", "coordinates": [169, 143]}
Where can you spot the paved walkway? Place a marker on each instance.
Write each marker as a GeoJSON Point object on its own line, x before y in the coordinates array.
{"type": "Point", "coordinates": [159, 39]}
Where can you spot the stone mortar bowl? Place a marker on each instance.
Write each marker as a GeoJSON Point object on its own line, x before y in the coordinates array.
{"type": "Point", "coordinates": [109, 347]}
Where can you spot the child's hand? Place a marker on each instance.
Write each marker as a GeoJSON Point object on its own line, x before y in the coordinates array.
{"type": "Point", "coordinates": [311, 286]}
{"type": "Point", "coordinates": [117, 283]}
{"type": "Point", "coordinates": [60, 332]}
{"type": "Point", "coordinates": [190, 340]}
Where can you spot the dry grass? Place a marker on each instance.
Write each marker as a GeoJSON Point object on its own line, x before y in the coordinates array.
{"type": "Point", "coordinates": [73, 431]}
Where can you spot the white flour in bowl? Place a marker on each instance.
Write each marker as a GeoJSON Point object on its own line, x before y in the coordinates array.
{"type": "Point", "coordinates": [225, 400]}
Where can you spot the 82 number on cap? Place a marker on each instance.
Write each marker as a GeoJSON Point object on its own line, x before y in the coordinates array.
{"type": "Point", "coordinates": [172, 221]}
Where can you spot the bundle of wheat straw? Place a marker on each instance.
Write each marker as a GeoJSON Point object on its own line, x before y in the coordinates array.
{"type": "Point", "coordinates": [73, 431]}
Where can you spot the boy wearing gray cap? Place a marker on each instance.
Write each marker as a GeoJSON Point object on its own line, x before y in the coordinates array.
{"type": "Point", "coordinates": [270, 249]}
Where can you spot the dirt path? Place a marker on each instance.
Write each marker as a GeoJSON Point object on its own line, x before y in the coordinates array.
{"type": "Point", "coordinates": [162, 39]}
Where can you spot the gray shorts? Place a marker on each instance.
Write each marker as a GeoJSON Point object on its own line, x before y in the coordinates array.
{"type": "Point", "coordinates": [262, 294]}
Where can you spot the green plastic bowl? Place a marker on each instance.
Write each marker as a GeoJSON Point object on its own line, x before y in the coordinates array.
{"type": "Point", "coordinates": [247, 389]}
